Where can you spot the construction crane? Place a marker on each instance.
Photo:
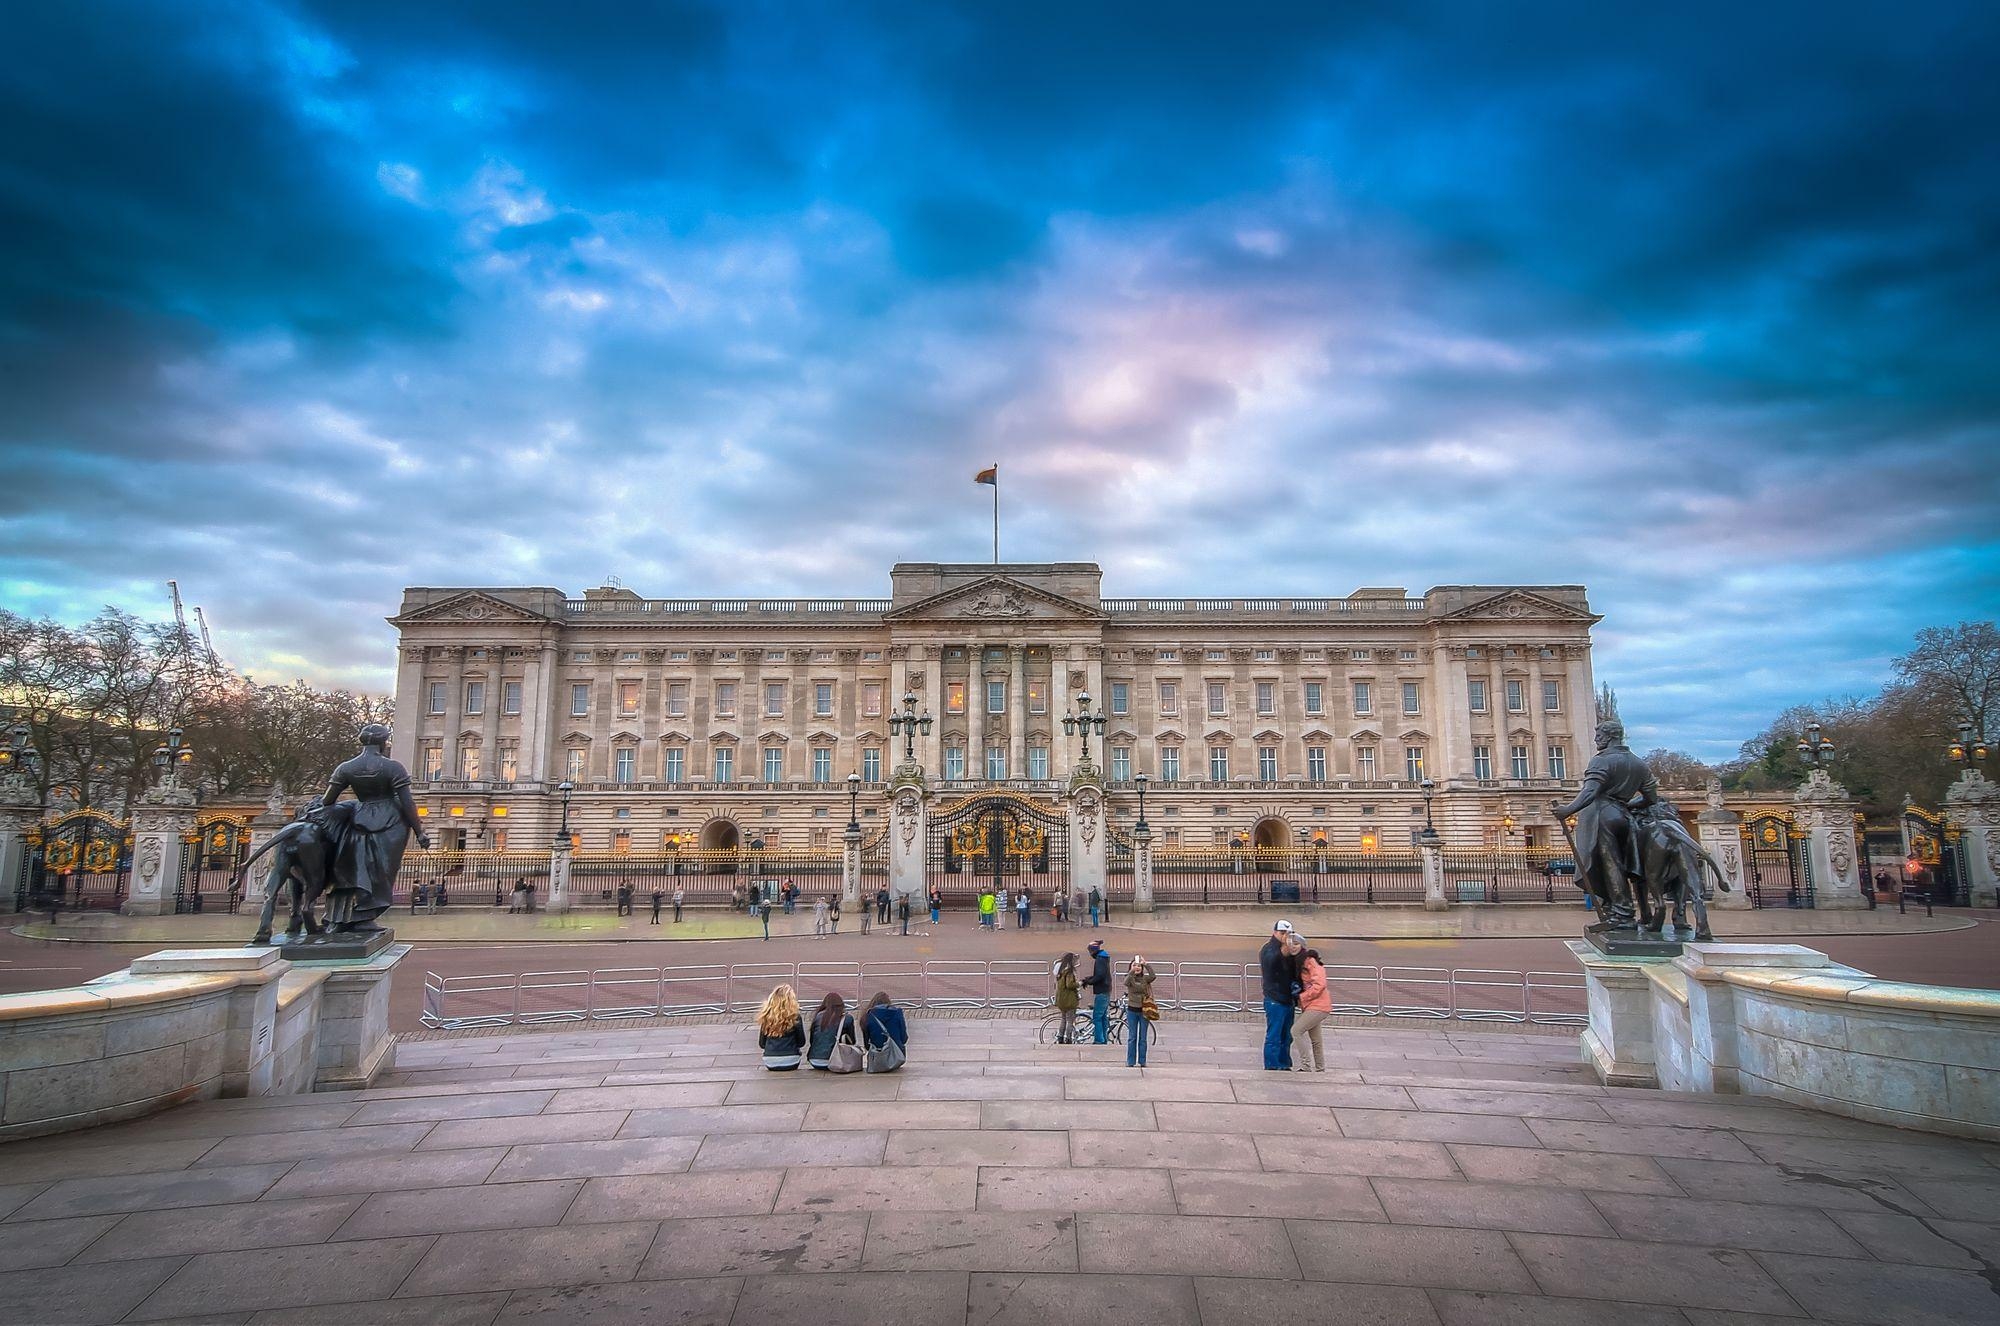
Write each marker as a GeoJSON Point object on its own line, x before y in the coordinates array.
{"type": "Point", "coordinates": [186, 637]}
{"type": "Point", "coordinates": [201, 620]}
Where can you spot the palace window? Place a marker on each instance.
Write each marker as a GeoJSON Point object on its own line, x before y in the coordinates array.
{"type": "Point", "coordinates": [678, 656]}
{"type": "Point", "coordinates": [624, 764]}
{"type": "Point", "coordinates": [1558, 762]}
{"type": "Point", "coordinates": [1364, 699]}
{"type": "Point", "coordinates": [1552, 697]}
{"type": "Point", "coordinates": [510, 698]}
{"type": "Point", "coordinates": [1121, 764]}
{"type": "Point", "coordinates": [822, 838]}
{"type": "Point", "coordinates": [1267, 764]}
{"type": "Point", "coordinates": [954, 697]}
{"type": "Point", "coordinates": [579, 656]}
{"type": "Point", "coordinates": [1218, 764]}
{"type": "Point", "coordinates": [774, 764]}
{"type": "Point", "coordinates": [1038, 762]}
{"type": "Point", "coordinates": [725, 699]}
{"type": "Point", "coordinates": [674, 764]}
{"type": "Point", "coordinates": [1364, 763]}
{"type": "Point", "coordinates": [1482, 762]}
{"type": "Point", "coordinates": [1517, 762]}
{"type": "Point", "coordinates": [510, 761]}
{"type": "Point", "coordinates": [1168, 656]}
{"type": "Point", "coordinates": [822, 765]}
{"type": "Point", "coordinates": [954, 763]}
{"type": "Point", "coordinates": [573, 765]}
{"type": "Point", "coordinates": [1265, 655]}
{"type": "Point", "coordinates": [823, 699]}
{"type": "Point", "coordinates": [996, 763]}
{"type": "Point", "coordinates": [1316, 763]}
{"type": "Point", "coordinates": [1038, 697]}
{"type": "Point", "coordinates": [996, 697]}
{"type": "Point", "coordinates": [1218, 695]}
{"type": "Point", "coordinates": [1121, 697]}
{"type": "Point", "coordinates": [1407, 655]}
{"type": "Point", "coordinates": [774, 656]}
{"type": "Point", "coordinates": [1173, 838]}
{"type": "Point", "coordinates": [579, 699]}
{"type": "Point", "coordinates": [475, 697]}
{"type": "Point", "coordinates": [629, 656]}
{"type": "Point", "coordinates": [822, 656]}
{"type": "Point", "coordinates": [1170, 698]}
{"type": "Point", "coordinates": [725, 764]}
{"type": "Point", "coordinates": [1475, 695]}
{"type": "Point", "coordinates": [499, 840]}
{"type": "Point", "coordinates": [628, 698]}
{"type": "Point", "coordinates": [726, 656]}
{"type": "Point", "coordinates": [1361, 655]}
{"type": "Point", "coordinates": [871, 764]}
{"type": "Point", "coordinates": [774, 699]}
{"type": "Point", "coordinates": [1267, 698]}
{"type": "Point", "coordinates": [677, 699]}
{"type": "Point", "coordinates": [430, 761]}
{"type": "Point", "coordinates": [1411, 707]}
{"type": "Point", "coordinates": [1315, 697]}
{"type": "Point", "coordinates": [871, 656]}
{"type": "Point", "coordinates": [621, 842]}
{"type": "Point", "coordinates": [1515, 702]}
{"type": "Point", "coordinates": [871, 699]}
{"type": "Point", "coordinates": [437, 697]}
{"type": "Point", "coordinates": [1413, 763]}
{"type": "Point", "coordinates": [1216, 655]}
{"type": "Point", "coordinates": [1170, 764]}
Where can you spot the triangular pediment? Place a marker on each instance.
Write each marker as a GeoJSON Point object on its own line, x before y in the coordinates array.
{"type": "Point", "coordinates": [1169, 737]}
{"type": "Point", "coordinates": [1518, 605]}
{"type": "Point", "coordinates": [472, 607]}
{"type": "Point", "coordinates": [995, 598]}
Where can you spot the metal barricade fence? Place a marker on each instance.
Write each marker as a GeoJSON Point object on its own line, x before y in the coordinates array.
{"type": "Point", "coordinates": [534, 998]}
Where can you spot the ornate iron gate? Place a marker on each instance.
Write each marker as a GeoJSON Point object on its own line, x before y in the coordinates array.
{"type": "Point", "coordinates": [1936, 862]}
{"type": "Point", "coordinates": [996, 840]}
{"type": "Point", "coordinates": [1774, 855]}
{"type": "Point", "coordinates": [86, 862]}
{"type": "Point", "coordinates": [208, 864]}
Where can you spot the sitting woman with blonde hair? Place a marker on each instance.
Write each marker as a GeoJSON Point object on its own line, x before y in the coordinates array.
{"type": "Point", "coordinates": [781, 1035]}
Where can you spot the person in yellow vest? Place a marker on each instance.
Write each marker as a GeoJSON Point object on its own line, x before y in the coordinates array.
{"type": "Point", "coordinates": [987, 908]}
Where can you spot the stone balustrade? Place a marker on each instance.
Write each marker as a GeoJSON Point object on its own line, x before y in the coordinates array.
{"type": "Point", "coordinates": [187, 1025]}
{"type": "Point", "coordinates": [1787, 1021]}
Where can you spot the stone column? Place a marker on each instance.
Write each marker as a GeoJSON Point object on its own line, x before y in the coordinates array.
{"type": "Point", "coordinates": [559, 875]}
{"type": "Point", "coordinates": [1088, 830]}
{"type": "Point", "coordinates": [165, 816]}
{"type": "Point", "coordinates": [908, 818]}
{"type": "Point", "coordinates": [850, 869]}
{"type": "Point", "coordinates": [1142, 869]}
{"type": "Point", "coordinates": [1972, 806]}
{"type": "Point", "coordinates": [1721, 832]}
{"type": "Point", "coordinates": [1825, 811]}
{"type": "Point", "coordinates": [975, 710]}
{"type": "Point", "coordinates": [19, 812]}
{"type": "Point", "coordinates": [1431, 848]}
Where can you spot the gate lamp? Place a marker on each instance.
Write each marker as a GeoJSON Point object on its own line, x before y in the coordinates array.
{"type": "Point", "coordinates": [1141, 781]}
{"type": "Point", "coordinates": [1966, 751]}
{"type": "Point", "coordinates": [1815, 749]}
{"type": "Point", "coordinates": [170, 757]}
{"type": "Point", "coordinates": [1082, 721]}
{"type": "Point", "coordinates": [854, 803]}
{"type": "Point", "coordinates": [909, 724]}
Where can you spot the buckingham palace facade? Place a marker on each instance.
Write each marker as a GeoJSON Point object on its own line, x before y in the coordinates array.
{"type": "Point", "coordinates": [699, 722]}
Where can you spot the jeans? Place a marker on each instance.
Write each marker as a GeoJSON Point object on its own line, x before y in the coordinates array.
{"type": "Point", "coordinates": [1277, 1034]}
{"type": "Point", "coordinates": [1100, 1018]}
{"type": "Point", "coordinates": [1093, 916]}
{"type": "Point", "coordinates": [934, 914]}
{"type": "Point", "coordinates": [1136, 1027]}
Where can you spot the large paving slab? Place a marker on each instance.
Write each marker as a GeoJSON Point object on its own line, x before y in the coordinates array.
{"type": "Point", "coordinates": [1434, 1178]}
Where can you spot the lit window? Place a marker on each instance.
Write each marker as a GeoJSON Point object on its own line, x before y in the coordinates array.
{"type": "Point", "coordinates": [822, 765]}
{"type": "Point", "coordinates": [1170, 698]}
{"type": "Point", "coordinates": [1316, 763]}
{"type": "Point", "coordinates": [1482, 762]}
{"type": "Point", "coordinates": [1413, 763]}
{"type": "Point", "coordinates": [1267, 764]}
{"type": "Point", "coordinates": [774, 764]}
{"type": "Point", "coordinates": [579, 699]}
{"type": "Point", "coordinates": [475, 697]}
{"type": "Point", "coordinates": [1218, 764]}
{"type": "Point", "coordinates": [954, 697]}
{"type": "Point", "coordinates": [1121, 764]}
{"type": "Point", "coordinates": [510, 698]}
{"type": "Point", "coordinates": [1170, 764]}
{"type": "Point", "coordinates": [628, 698]}
{"type": "Point", "coordinates": [1038, 697]}
{"type": "Point", "coordinates": [1364, 701]}
{"type": "Point", "coordinates": [871, 699]}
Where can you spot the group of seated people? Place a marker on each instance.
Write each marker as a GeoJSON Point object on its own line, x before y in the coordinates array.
{"type": "Point", "coordinates": [832, 1041]}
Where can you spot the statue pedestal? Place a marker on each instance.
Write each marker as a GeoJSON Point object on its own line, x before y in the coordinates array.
{"type": "Point", "coordinates": [1618, 1043]}
{"type": "Point", "coordinates": [1632, 944]}
{"type": "Point", "coordinates": [355, 1045]}
{"type": "Point", "coordinates": [333, 947]}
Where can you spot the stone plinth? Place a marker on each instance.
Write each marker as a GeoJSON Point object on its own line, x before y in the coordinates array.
{"type": "Point", "coordinates": [1142, 869]}
{"type": "Point", "coordinates": [1618, 1044]}
{"type": "Point", "coordinates": [559, 855]}
{"type": "Point", "coordinates": [850, 869]}
{"type": "Point", "coordinates": [160, 827]}
{"type": "Point", "coordinates": [909, 816]}
{"type": "Point", "coordinates": [1972, 807]}
{"type": "Point", "coordinates": [251, 1039]}
{"type": "Point", "coordinates": [1089, 834]}
{"type": "Point", "coordinates": [18, 814]}
{"type": "Point", "coordinates": [355, 1045]}
{"type": "Point", "coordinates": [1824, 810]}
{"type": "Point", "coordinates": [1431, 850]}
{"type": "Point", "coordinates": [1720, 832]}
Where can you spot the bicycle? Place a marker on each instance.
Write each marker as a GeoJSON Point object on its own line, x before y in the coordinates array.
{"type": "Point", "coordinates": [1082, 1032]}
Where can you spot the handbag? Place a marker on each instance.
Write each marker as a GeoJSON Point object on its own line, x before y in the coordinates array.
{"type": "Point", "coordinates": [884, 1058]}
{"type": "Point", "coordinates": [846, 1056]}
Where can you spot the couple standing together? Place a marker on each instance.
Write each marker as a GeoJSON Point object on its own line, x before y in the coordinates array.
{"type": "Point", "coordinates": [1296, 1002]}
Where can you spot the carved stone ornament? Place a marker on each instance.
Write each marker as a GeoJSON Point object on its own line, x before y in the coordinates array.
{"type": "Point", "coordinates": [1729, 863]}
{"type": "Point", "coordinates": [1712, 793]}
{"type": "Point", "coordinates": [913, 682]}
{"type": "Point", "coordinates": [150, 853]}
{"type": "Point", "coordinates": [1089, 802]}
{"type": "Point", "coordinates": [655, 655]}
{"type": "Point", "coordinates": [1820, 789]}
{"type": "Point", "coordinates": [998, 603]}
{"type": "Point", "coordinates": [1078, 679]}
{"type": "Point", "coordinates": [1993, 852]}
{"type": "Point", "coordinates": [1840, 853]}
{"type": "Point", "coordinates": [907, 805]}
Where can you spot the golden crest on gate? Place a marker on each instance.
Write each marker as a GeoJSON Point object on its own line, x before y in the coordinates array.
{"type": "Point", "coordinates": [1024, 839]}
{"type": "Point", "coordinates": [969, 839]}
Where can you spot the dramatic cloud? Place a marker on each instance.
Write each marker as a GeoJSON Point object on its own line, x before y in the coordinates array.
{"type": "Point", "coordinates": [301, 303]}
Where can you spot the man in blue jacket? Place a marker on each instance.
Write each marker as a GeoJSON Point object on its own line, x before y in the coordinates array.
{"type": "Point", "coordinates": [1279, 973]}
{"type": "Point", "coordinates": [1099, 985]}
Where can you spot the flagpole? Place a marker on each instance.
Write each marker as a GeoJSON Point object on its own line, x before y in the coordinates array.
{"type": "Point", "coordinates": [996, 513]}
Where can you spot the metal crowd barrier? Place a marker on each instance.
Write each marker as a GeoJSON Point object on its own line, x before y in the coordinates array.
{"type": "Point", "coordinates": [634, 993]}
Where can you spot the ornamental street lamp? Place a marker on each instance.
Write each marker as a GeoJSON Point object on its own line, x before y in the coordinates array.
{"type": "Point", "coordinates": [168, 759]}
{"type": "Point", "coordinates": [1081, 722]}
{"type": "Point", "coordinates": [1815, 749]}
{"type": "Point", "coordinates": [1429, 790]}
{"type": "Point", "coordinates": [565, 787]}
{"type": "Point", "coordinates": [1506, 826]}
{"type": "Point", "coordinates": [909, 724]}
{"type": "Point", "coordinates": [19, 756]}
{"type": "Point", "coordinates": [1967, 751]}
{"type": "Point", "coordinates": [854, 803]}
{"type": "Point", "coordinates": [1141, 780]}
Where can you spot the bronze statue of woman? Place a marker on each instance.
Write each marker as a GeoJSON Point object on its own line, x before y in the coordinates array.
{"type": "Point", "coordinates": [369, 851]}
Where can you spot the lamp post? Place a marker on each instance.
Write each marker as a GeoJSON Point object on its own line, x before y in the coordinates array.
{"type": "Point", "coordinates": [1815, 749]}
{"type": "Point", "coordinates": [565, 787]}
{"type": "Point", "coordinates": [1081, 722]}
{"type": "Point", "coordinates": [1141, 781]}
{"type": "Point", "coordinates": [19, 756]}
{"type": "Point", "coordinates": [1506, 827]}
{"type": "Point", "coordinates": [854, 803]}
{"type": "Point", "coordinates": [909, 724]}
{"type": "Point", "coordinates": [1429, 790]}
{"type": "Point", "coordinates": [170, 757]}
{"type": "Point", "coordinates": [1966, 752]}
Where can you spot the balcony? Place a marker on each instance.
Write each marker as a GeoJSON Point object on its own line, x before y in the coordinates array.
{"type": "Point", "coordinates": [730, 609]}
{"type": "Point", "coordinates": [1262, 609]}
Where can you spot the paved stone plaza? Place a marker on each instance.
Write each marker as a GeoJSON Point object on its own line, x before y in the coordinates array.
{"type": "Point", "coordinates": [657, 1174]}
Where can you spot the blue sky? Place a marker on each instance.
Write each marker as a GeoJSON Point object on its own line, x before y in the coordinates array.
{"type": "Point", "coordinates": [301, 303]}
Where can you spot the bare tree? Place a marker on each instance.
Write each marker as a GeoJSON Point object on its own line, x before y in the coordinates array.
{"type": "Point", "coordinates": [1960, 666]}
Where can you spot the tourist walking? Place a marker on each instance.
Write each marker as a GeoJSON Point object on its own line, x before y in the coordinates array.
{"type": "Point", "coordinates": [680, 898]}
{"type": "Point", "coordinates": [1004, 908]}
{"type": "Point", "coordinates": [1066, 999]}
{"type": "Point", "coordinates": [1139, 1010]}
{"type": "Point", "coordinates": [1062, 906]}
{"type": "Point", "coordinates": [867, 906]}
{"type": "Point", "coordinates": [1315, 1003]}
{"type": "Point", "coordinates": [903, 908]}
{"type": "Point", "coordinates": [882, 1028]}
{"type": "Point", "coordinates": [1023, 905]}
{"type": "Point", "coordinates": [780, 1036]}
{"type": "Point", "coordinates": [764, 915]}
{"type": "Point", "coordinates": [830, 1026]}
{"type": "Point", "coordinates": [819, 918]}
{"type": "Point", "coordinates": [1280, 976]}
{"type": "Point", "coordinates": [1099, 985]}
{"type": "Point", "coordinates": [659, 896]}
